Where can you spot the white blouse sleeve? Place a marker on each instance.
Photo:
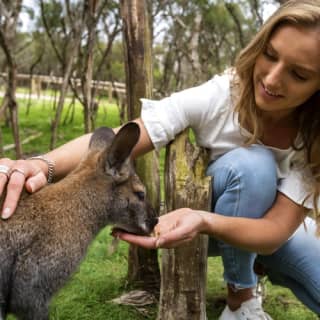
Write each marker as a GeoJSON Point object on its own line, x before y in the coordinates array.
{"type": "Point", "coordinates": [297, 187]}
{"type": "Point", "coordinates": [192, 107]}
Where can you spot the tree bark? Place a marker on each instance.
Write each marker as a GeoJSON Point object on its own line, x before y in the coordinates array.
{"type": "Point", "coordinates": [10, 12]}
{"type": "Point", "coordinates": [67, 64]}
{"type": "Point", "coordinates": [183, 282]}
{"type": "Point", "coordinates": [143, 268]}
{"type": "Point", "coordinates": [13, 107]}
{"type": "Point", "coordinates": [231, 9]}
{"type": "Point", "coordinates": [91, 6]}
{"type": "Point", "coordinates": [63, 92]}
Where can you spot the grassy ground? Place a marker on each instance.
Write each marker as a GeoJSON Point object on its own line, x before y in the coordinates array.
{"type": "Point", "coordinates": [39, 118]}
{"type": "Point", "coordinates": [102, 276]}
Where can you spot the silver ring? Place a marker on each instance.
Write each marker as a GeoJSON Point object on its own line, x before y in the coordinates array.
{"type": "Point", "coordinates": [17, 170]}
{"type": "Point", "coordinates": [5, 170]}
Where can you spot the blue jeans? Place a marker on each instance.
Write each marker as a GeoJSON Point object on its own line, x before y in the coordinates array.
{"type": "Point", "coordinates": [245, 185]}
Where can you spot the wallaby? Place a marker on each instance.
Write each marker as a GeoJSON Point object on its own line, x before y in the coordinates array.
{"type": "Point", "coordinates": [46, 238]}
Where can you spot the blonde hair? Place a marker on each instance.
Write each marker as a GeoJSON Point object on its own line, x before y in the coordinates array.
{"type": "Point", "coordinates": [305, 13]}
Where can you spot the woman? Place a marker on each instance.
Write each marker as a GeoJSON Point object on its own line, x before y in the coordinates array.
{"type": "Point", "coordinates": [261, 122]}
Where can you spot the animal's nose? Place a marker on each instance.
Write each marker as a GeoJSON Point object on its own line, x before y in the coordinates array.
{"type": "Point", "coordinates": [153, 222]}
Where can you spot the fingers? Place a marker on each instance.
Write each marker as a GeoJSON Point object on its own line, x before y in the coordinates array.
{"type": "Point", "coordinates": [14, 188]}
{"type": "Point", "coordinates": [173, 229]}
{"type": "Point", "coordinates": [174, 238]}
{"type": "Point", "coordinates": [163, 228]}
{"type": "Point", "coordinates": [36, 182]}
{"type": "Point", "coordinates": [4, 170]}
{"type": "Point", "coordinates": [21, 173]}
{"type": "Point", "coordinates": [4, 173]}
{"type": "Point", "coordinates": [171, 239]}
{"type": "Point", "coordinates": [3, 180]}
{"type": "Point", "coordinates": [142, 241]}
{"type": "Point", "coordinates": [177, 228]}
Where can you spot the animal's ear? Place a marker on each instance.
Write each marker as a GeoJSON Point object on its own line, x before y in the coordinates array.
{"type": "Point", "coordinates": [120, 150]}
{"type": "Point", "coordinates": [101, 138]}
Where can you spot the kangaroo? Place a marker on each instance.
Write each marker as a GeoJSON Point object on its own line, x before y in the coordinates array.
{"type": "Point", "coordinates": [47, 237]}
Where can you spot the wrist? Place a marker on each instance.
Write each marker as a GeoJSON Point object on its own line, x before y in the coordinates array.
{"type": "Point", "coordinates": [205, 221]}
{"type": "Point", "coordinates": [46, 163]}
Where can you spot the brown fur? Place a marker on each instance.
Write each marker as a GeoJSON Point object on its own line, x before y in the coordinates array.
{"type": "Point", "coordinates": [45, 240]}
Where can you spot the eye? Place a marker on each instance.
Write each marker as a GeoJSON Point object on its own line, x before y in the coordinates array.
{"type": "Point", "coordinates": [270, 56]}
{"type": "Point", "coordinates": [141, 195]}
{"type": "Point", "coordinates": [299, 76]}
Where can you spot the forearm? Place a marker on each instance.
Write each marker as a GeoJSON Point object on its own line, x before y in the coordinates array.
{"type": "Point", "coordinates": [255, 235]}
{"type": "Point", "coordinates": [144, 144]}
{"type": "Point", "coordinates": [67, 156]}
{"type": "Point", "coordinates": [262, 235]}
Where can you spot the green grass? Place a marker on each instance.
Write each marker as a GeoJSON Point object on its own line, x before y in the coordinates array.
{"type": "Point", "coordinates": [39, 121]}
{"type": "Point", "coordinates": [102, 276]}
{"type": "Point", "coordinates": [100, 279]}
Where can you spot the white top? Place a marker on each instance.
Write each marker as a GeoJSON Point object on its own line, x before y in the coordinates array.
{"type": "Point", "coordinates": [208, 109]}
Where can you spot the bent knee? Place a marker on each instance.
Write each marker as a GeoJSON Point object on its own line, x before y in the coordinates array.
{"type": "Point", "coordinates": [256, 161]}
{"type": "Point", "coordinates": [252, 170]}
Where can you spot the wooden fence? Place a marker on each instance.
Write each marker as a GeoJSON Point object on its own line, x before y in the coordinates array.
{"type": "Point", "coordinates": [41, 82]}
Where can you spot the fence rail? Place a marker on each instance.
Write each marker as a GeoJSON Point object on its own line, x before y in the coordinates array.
{"type": "Point", "coordinates": [38, 82]}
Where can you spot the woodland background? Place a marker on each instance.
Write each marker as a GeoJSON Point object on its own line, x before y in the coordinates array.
{"type": "Point", "coordinates": [191, 41]}
{"type": "Point", "coordinates": [73, 53]}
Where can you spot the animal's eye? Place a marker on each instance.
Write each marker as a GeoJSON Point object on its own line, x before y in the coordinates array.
{"type": "Point", "coordinates": [140, 195]}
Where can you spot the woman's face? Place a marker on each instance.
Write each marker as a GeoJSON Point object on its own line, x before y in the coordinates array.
{"type": "Point", "coordinates": [287, 73]}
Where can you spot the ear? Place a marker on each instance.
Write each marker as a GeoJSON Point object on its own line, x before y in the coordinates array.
{"type": "Point", "coordinates": [101, 138]}
{"type": "Point", "coordinates": [122, 144]}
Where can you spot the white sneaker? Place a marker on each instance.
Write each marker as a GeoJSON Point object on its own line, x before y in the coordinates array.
{"type": "Point", "coordinates": [249, 310]}
{"type": "Point", "coordinates": [260, 291]}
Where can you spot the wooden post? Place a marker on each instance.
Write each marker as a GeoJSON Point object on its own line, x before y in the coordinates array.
{"type": "Point", "coordinates": [36, 86]}
{"type": "Point", "coordinates": [184, 269]}
{"type": "Point", "coordinates": [110, 91]}
{"type": "Point", "coordinates": [143, 270]}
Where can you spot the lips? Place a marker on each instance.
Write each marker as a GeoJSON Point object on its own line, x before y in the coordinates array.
{"type": "Point", "coordinates": [267, 93]}
{"type": "Point", "coordinates": [270, 92]}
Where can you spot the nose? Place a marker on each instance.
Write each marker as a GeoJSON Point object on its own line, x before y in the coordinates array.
{"type": "Point", "coordinates": [273, 79]}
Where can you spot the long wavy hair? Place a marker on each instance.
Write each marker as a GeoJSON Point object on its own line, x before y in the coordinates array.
{"type": "Point", "coordinates": [305, 13]}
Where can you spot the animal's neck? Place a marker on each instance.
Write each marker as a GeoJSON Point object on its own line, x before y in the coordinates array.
{"type": "Point", "coordinates": [74, 198]}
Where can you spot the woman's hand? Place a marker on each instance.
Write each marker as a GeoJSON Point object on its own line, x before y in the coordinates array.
{"type": "Point", "coordinates": [14, 175]}
{"type": "Point", "coordinates": [173, 229]}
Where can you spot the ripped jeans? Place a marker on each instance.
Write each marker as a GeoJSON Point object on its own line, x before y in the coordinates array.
{"type": "Point", "coordinates": [245, 185]}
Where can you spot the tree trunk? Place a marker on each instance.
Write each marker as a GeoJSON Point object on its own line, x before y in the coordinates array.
{"type": "Point", "coordinates": [91, 6]}
{"type": "Point", "coordinates": [183, 283]}
{"type": "Point", "coordinates": [143, 269]}
{"type": "Point", "coordinates": [63, 92]}
{"type": "Point", "coordinates": [72, 56]}
{"type": "Point", "coordinates": [13, 107]}
{"type": "Point", "coordinates": [10, 14]}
